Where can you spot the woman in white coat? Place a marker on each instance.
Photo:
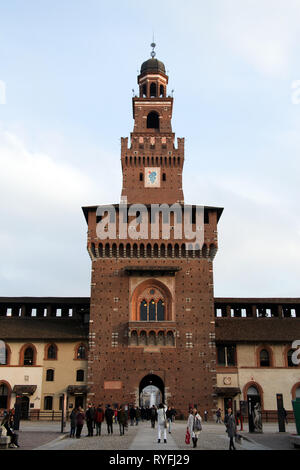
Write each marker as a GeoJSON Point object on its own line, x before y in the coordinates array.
{"type": "Point", "coordinates": [194, 425]}
{"type": "Point", "coordinates": [162, 422]}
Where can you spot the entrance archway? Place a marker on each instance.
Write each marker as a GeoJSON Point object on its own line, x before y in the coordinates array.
{"type": "Point", "coordinates": [151, 390]}
{"type": "Point", "coordinates": [253, 398]}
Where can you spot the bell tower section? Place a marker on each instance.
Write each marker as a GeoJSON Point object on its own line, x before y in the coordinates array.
{"type": "Point", "coordinates": [152, 165]}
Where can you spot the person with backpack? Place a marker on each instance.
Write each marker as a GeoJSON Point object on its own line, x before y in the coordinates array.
{"type": "Point", "coordinates": [194, 425]}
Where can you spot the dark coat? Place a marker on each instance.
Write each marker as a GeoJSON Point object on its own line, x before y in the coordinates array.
{"type": "Point", "coordinates": [109, 414]}
{"type": "Point", "coordinates": [80, 418]}
{"type": "Point", "coordinates": [122, 417]}
{"type": "Point", "coordinates": [231, 425]}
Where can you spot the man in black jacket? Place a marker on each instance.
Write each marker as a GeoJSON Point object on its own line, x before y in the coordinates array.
{"type": "Point", "coordinates": [109, 415]}
{"type": "Point", "coordinates": [89, 416]}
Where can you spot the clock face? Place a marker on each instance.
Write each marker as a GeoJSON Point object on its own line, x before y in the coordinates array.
{"type": "Point", "coordinates": [152, 177]}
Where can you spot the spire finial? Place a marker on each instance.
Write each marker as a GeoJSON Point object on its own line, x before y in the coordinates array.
{"type": "Point", "coordinates": [153, 45]}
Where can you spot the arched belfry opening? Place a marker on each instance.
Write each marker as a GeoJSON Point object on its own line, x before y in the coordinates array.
{"type": "Point", "coordinates": [153, 91]}
{"type": "Point", "coordinates": [153, 120]}
{"type": "Point", "coordinates": [151, 390]}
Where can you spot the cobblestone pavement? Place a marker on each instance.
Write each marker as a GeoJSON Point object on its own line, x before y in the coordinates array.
{"type": "Point", "coordinates": [103, 442]}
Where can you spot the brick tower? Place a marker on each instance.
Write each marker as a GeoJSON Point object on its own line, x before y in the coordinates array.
{"type": "Point", "coordinates": [152, 300]}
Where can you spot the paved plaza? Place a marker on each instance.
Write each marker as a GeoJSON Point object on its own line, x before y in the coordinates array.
{"type": "Point", "coordinates": [47, 436]}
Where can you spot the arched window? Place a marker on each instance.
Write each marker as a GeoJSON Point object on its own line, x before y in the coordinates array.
{"type": "Point", "coordinates": [144, 91]}
{"type": "Point", "coordinates": [153, 120]}
{"type": "Point", "coordinates": [152, 310]}
{"type": "Point", "coordinates": [264, 358]}
{"type": "Point", "coordinates": [141, 176]}
{"type": "Point", "coordinates": [28, 357]}
{"type": "Point", "coordinates": [153, 90]}
{"type": "Point", "coordinates": [81, 352]}
{"type": "Point", "coordinates": [143, 310]}
{"type": "Point", "coordinates": [52, 352]}
{"type": "Point", "coordinates": [48, 403]}
{"type": "Point", "coordinates": [161, 91]}
{"type": "Point", "coordinates": [164, 177]}
{"type": "Point", "coordinates": [160, 310]}
{"type": "Point", "coordinates": [80, 375]}
{"type": "Point", "coordinates": [50, 375]}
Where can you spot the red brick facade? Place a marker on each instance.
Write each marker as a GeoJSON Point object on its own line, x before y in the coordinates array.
{"type": "Point", "coordinates": [152, 301]}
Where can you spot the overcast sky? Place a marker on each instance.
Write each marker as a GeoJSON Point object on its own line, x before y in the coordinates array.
{"type": "Point", "coordinates": [67, 69]}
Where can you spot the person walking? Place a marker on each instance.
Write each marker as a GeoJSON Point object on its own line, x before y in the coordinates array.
{"type": "Point", "coordinates": [205, 415]}
{"type": "Point", "coordinates": [132, 415]}
{"type": "Point", "coordinates": [109, 414]}
{"type": "Point", "coordinates": [162, 422]}
{"type": "Point", "coordinates": [80, 417]}
{"type": "Point", "coordinates": [73, 422]}
{"type": "Point", "coordinates": [122, 420]}
{"type": "Point", "coordinates": [153, 416]}
{"type": "Point", "coordinates": [137, 415]}
{"type": "Point", "coordinates": [169, 415]}
{"type": "Point", "coordinates": [218, 415]}
{"type": "Point", "coordinates": [230, 428]}
{"type": "Point", "coordinates": [89, 416]}
{"type": "Point", "coordinates": [99, 418]}
{"type": "Point", "coordinates": [194, 425]}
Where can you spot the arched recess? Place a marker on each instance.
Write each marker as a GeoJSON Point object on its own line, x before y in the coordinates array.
{"type": "Point", "coordinates": [161, 292]}
{"type": "Point", "coordinates": [259, 389]}
{"type": "Point", "coordinates": [154, 381]}
{"type": "Point", "coordinates": [153, 120]}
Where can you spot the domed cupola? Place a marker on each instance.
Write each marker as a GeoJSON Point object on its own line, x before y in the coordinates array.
{"type": "Point", "coordinates": [153, 79]}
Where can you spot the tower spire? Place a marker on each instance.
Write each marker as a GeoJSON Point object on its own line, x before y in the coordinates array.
{"type": "Point", "coordinates": [153, 45]}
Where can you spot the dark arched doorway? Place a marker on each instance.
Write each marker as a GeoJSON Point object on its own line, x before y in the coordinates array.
{"type": "Point", "coordinates": [152, 390]}
{"type": "Point", "coordinates": [253, 399]}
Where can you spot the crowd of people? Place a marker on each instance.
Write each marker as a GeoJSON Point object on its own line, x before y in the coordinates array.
{"type": "Point", "coordinates": [164, 416]}
{"type": "Point", "coordinates": [94, 416]}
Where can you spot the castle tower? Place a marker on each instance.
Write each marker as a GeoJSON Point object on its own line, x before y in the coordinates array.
{"type": "Point", "coordinates": [152, 301]}
{"type": "Point", "coordinates": [152, 166]}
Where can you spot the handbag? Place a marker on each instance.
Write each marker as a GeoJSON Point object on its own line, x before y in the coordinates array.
{"type": "Point", "coordinates": [187, 436]}
{"type": "Point", "coordinates": [3, 431]}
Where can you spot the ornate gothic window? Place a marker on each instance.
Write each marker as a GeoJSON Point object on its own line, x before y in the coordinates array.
{"type": "Point", "coordinates": [151, 301]}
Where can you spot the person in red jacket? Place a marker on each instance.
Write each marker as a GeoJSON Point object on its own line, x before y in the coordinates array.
{"type": "Point", "coordinates": [99, 418]}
